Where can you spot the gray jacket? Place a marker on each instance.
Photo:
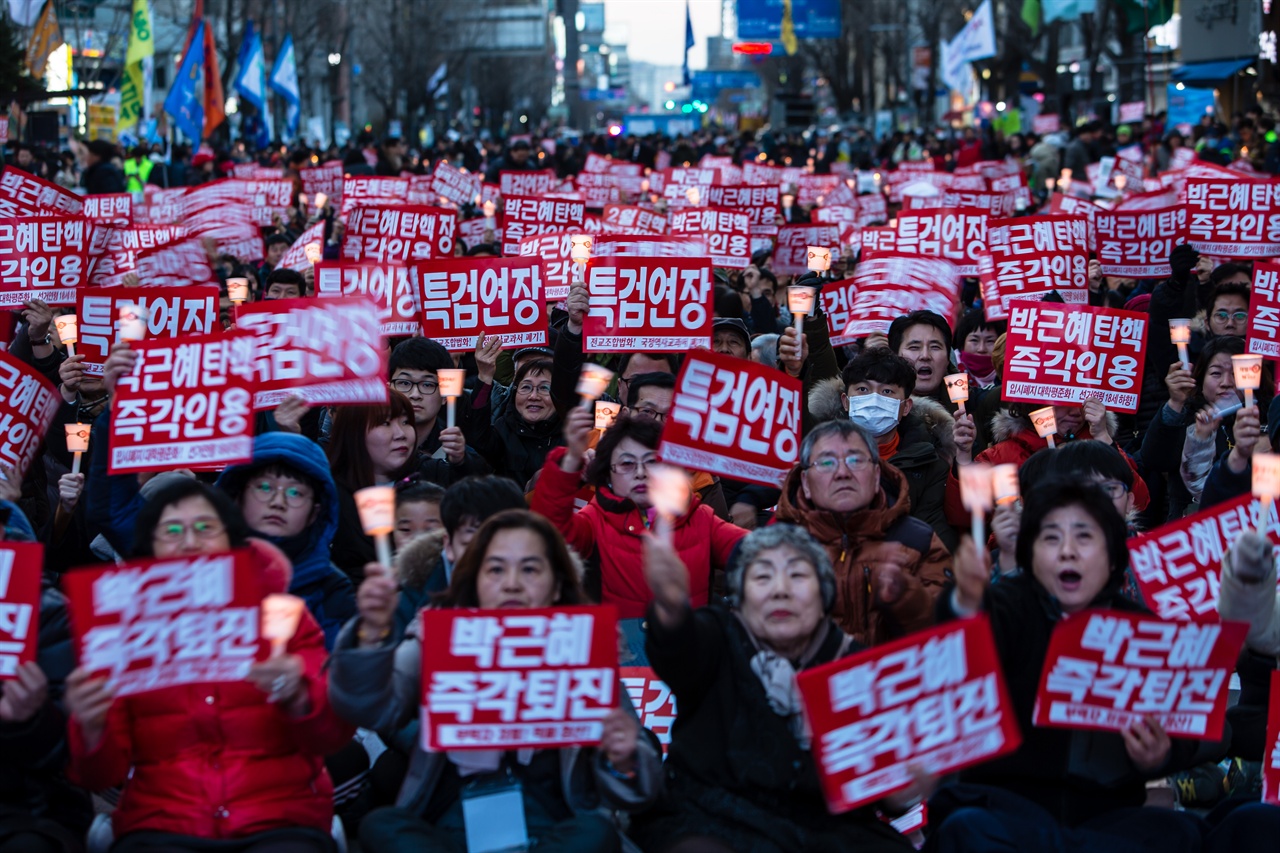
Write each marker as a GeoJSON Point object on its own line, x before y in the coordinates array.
{"type": "Point", "coordinates": [379, 689]}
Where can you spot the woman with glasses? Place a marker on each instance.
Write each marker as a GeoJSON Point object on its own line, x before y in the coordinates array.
{"type": "Point", "coordinates": [227, 767]}
{"type": "Point", "coordinates": [368, 446]}
{"type": "Point", "coordinates": [517, 440]}
{"type": "Point", "coordinates": [612, 526]}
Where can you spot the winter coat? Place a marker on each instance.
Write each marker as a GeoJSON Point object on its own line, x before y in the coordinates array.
{"type": "Point", "coordinates": [1074, 775]}
{"type": "Point", "coordinates": [380, 689]}
{"type": "Point", "coordinates": [435, 468]}
{"type": "Point", "coordinates": [734, 769]}
{"type": "Point", "coordinates": [513, 446]}
{"type": "Point", "coordinates": [867, 544]}
{"type": "Point", "coordinates": [219, 761]}
{"type": "Point", "coordinates": [611, 528]}
{"type": "Point", "coordinates": [926, 442]}
{"type": "Point", "coordinates": [329, 594]}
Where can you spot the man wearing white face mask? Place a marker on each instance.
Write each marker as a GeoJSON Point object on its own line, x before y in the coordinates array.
{"type": "Point", "coordinates": [913, 433]}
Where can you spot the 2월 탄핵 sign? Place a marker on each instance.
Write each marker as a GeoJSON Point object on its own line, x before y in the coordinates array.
{"type": "Point", "coordinates": [936, 698]}
{"type": "Point", "coordinates": [648, 304]}
{"type": "Point", "coordinates": [733, 417]}
{"type": "Point", "coordinates": [1264, 310]}
{"type": "Point", "coordinates": [150, 624]}
{"type": "Point", "coordinates": [28, 404]}
{"type": "Point", "coordinates": [726, 233]}
{"type": "Point", "coordinates": [957, 235]}
{"type": "Point", "coordinates": [501, 297]}
{"type": "Point", "coordinates": [886, 286]}
{"type": "Point", "coordinates": [1031, 257]}
{"type": "Point", "coordinates": [22, 194]}
{"type": "Point", "coordinates": [327, 351]}
{"type": "Point", "coordinates": [387, 233]}
{"type": "Point", "coordinates": [1229, 217]}
{"type": "Point", "coordinates": [43, 258]}
{"type": "Point", "coordinates": [529, 216]}
{"type": "Point", "coordinates": [1106, 670]}
{"type": "Point", "coordinates": [506, 679]}
{"type": "Point", "coordinates": [389, 286]}
{"type": "Point", "coordinates": [170, 312]}
{"type": "Point", "coordinates": [1179, 565]}
{"type": "Point", "coordinates": [1137, 243]}
{"type": "Point", "coordinates": [20, 564]}
{"type": "Point", "coordinates": [632, 219]}
{"type": "Point", "coordinates": [187, 404]}
{"type": "Point", "coordinates": [1067, 353]}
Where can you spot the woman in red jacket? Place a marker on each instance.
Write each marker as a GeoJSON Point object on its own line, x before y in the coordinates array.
{"type": "Point", "coordinates": [612, 524]}
{"type": "Point", "coordinates": [225, 767]}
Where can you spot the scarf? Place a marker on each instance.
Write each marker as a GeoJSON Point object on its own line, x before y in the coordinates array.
{"type": "Point", "coordinates": [981, 366]}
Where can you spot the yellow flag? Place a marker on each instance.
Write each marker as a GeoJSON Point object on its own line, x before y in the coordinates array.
{"type": "Point", "coordinates": [45, 39]}
{"type": "Point", "coordinates": [788, 29]}
{"type": "Point", "coordinates": [141, 46]}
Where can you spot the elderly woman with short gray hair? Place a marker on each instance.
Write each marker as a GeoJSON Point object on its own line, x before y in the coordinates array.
{"type": "Point", "coordinates": [740, 774]}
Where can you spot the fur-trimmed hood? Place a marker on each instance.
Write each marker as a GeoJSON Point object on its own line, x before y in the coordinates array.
{"type": "Point", "coordinates": [825, 405]}
{"type": "Point", "coordinates": [1005, 425]}
{"type": "Point", "coordinates": [419, 557]}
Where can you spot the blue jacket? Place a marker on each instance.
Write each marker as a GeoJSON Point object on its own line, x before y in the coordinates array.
{"type": "Point", "coordinates": [328, 592]}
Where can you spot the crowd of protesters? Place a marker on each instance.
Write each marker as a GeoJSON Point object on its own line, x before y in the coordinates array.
{"type": "Point", "coordinates": [522, 504]}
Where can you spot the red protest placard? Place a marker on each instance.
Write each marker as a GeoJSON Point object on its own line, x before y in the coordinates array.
{"type": "Point", "coordinates": [756, 175]}
{"type": "Point", "coordinates": [267, 198]}
{"type": "Point", "coordinates": [178, 263]}
{"type": "Point", "coordinates": [648, 304]}
{"type": "Point", "coordinates": [631, 219]}
{"type": "Point", "coordinates": [531, 183]}
{"type": "Point", "coordinates": [370, 190]}
{"type": "Point", "coordinates": [151, 624]}
{"type": "Point", "coordinates": [220, 211]}
{"type": "Point", "coordinates": [389, 286]}
{"type": "Point", "coordinates": [502, 679]}
{"type": "Point", "coordinates": [813, 189]}
{"type": "Point", "coordinates": [43, 258]}
{"type": "Point", "coordinates": [762, 204]}
{"type": "Point", "coordinates": [879, 240]}
{"type": "Point", "coordinates": [381, 233]}
{"type": "Point", "coordinates": [653, 700]}
{"type": "Point", "coordinates": [936, 698]}
{"type": "Point", "coordinates": [1179, 565]}
{"type": "Point", "coordinates": [1236, 218]}
{"type": "Point", "coordinates": [872, 209]}
{"type": "Point", "coordinates": [1069, 205]}
{"type": "Point", "coordinates": [326, 179]}
{"type": "Point", "coordinates": [557, 267]}
{"type": "Point", "coordinates": [791, 257]}
{"type": "Point", "coordinates": [456, 185]}
{"type": "Point", "coordinates": [648, 246]}
{"type": "Point", "coordinates": [297, 257]}
{"type": "Point", "coordinates": [502, 297]}
{"type": "Point", "coordinates": [112, 208]}
{"type": "Point", "coordinates": [956, 235]}
{"type": "Point", "coordinates": [1106, 670]}
{"type": "Point", "coordinates": [733, 417]}
{"type": "Point", "coordinates": [171, 312]}
{"type": "Point", "coordinates": [28, 404]}
{"type": "Point", "coordinates": [1136, 243]}
{"type": "Point", "coordinates": [837, 304]}
{"type": "Point", "coordinates": [22, 194]}
{"type": "Point", "coordinates": [1067, 353]}
{"type": "Point", "coordinates": [1264, 310]}
{"type": "Point", "coordinates": [20, 567]}
{"type": "Point", "coordinates": [187, 404]}
{"type": "Point", "coordinates": [1032, 257]}
{"type": "Point", "coordinates": [886, 286]}
{"type": "Point", "coordinates": [1271, 756]}
{"type": "Point", "coordinates": [1046, 123]}
{"type": "Point", "coordinates": [327, 351]}
{"type": "Point", "coordinates": [528, 216]}
{"type": "Point", "coordinates": [725, 232]}
{"type": "Point", "coordinates": [597, 190]}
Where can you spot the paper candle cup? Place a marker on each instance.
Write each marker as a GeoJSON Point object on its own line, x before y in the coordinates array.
{"type": "Point", "coordinates": [669, 490]}
{"type": "Point", "coordinates": [133, 325]}
{"type": "Point", "coordinates": [238, 289]}
{"type": "Point", "coordinates": [321, 201]}
{"type": "Point", "coordinates": [593, 380]}
{"type": "Point", "coordinates": [1121, 181]}
{"type": "Point", "coordinates": [1266, 482]}
{"type": "Point", "coordinates": [819, 258]}
{"type": "Point", "coordinates": [606, 414]}
{"type": "Point", "coordinates": [302, 199]}
{"type": "Point", "coordinates": [1248, 371]}
{"type": "Point", "coordinates": [1180, 331]}
{"type": "Point", "coordinates": [68, 328]}
{"type": "Point", "coordinates": [801, 299]}
{"type": "Point", "coordinates": [1004, 483]}
{"type": "Point", "coordinates": [377, 508]}
{"type": "Point", "coordinates": [451, 381]}
{"type": "Point", "coordinates": [490, 209]}
{"type": "Point", "coordinates": [976, 487]}
{"type": "Point", "coordinates": [693, 195]}
{"type": "Point", "coordinates": [957, 387]}
{"type": "Point", "coordinates": [280, 616]}
{"type": "Point", "coordinates": [580, 248]}
{"type": "Point", "coordinates": [77, 438]}
{"type": "Point", "coordinates": [1049, 183]}
{"type": "Point", "coordinates": [1045, 422]}
{"type": "Point", "coordinates": [314, 253]}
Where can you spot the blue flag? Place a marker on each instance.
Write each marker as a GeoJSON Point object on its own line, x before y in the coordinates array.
{"type": "Point", "coordinates": [185, 101]}
{"type": "Point", "coordinates": [689, 41]}
{"type": "Point", "coordinates": [251, 82]}
{"type": "Point", "coordinates": [284, 79]}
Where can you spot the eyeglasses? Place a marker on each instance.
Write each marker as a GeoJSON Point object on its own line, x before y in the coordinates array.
{"type": "Point", "coordinates": [263, 491]}
{"type": "Point", "coordinates": [1224, 316]}
{"type": "Point", "coordinates": [650, 413]}
{"type": "Point", "coordinates": [176, 532]}
{"type": "Point", "coordinates": [830, 464]}
{"type": "Point", "coordinates": [528, 389]}
{"type": "Point", "coordinates": [630, 466]}
{"type": "Point", "coordinates": [1114, 488]}
{"type": "Point", "coordinates": [427, 386]}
